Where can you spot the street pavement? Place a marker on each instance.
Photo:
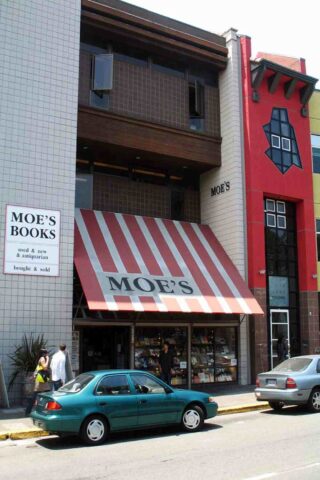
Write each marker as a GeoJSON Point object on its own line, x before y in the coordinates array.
{"type": "Point", "coordinates": [231, 399]}
{"type": "Point", "coordinates": [248, 446]}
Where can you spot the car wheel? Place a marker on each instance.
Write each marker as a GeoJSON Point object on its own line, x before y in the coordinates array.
{"type": "Point", "coordinates": [276, 405]}
{"type": "Point", "coordinates": [193, 418]}
{"type": "Point", "coordinates": [314, 400]}
{"type": "Point", "coordinates": [94, 430]}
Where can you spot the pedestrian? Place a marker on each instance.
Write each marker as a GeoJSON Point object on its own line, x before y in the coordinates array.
{"type": "Point", "coordinates": [58, 367]}
{"type": "Point", "coordinates": [41, 379]}
{"type": "Point", "coordinates": [166, 363]}
{"type": "Point", "coordinates": [282, 348]}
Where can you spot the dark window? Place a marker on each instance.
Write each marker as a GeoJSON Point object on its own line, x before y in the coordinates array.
{"type": "Point", "coordinates": [281, 137]}
{"type": "Point", "coordinates": [281, 207]}
{"type": "Point", "coordinates": [315, 142]}
{"type": "Point", "coordinates": [102, 72]}
{"type": "Point", "coordinates": [282, 262]}
{"type": "Point", "coordinates": [84, 183]}
{"type": "Point", "coordinates": [206, 77]}
{"type": "Point", "coordinates": [286, 143]}
{"type": "Point", "coordinates": [196, 105]}
{"type": "Point", "coordinates": [177, 205]}
{"type": "Point", "coordinates": [270, 205]}
{"type": "Point", "coordinates": [168, 66]}
{"type": "Point", "coordinates": [275, 140]}
{"type": "Point", "coordinates": [113, 385]}
{"type": "Point", "coordinates": [318, 237]}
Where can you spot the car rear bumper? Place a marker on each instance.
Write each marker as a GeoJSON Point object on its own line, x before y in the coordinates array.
{"type": "Point", "coordinates": [293, 396]}
{"type": "Point", "coordinates": [54, 423]}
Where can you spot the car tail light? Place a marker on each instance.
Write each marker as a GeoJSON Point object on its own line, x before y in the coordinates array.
{"type": "Point", "coordinates": [257, 382]}
{"type": "Point", "coordinates": [53, 406]}
{"type": "Point", "coordinates": [290, 383]}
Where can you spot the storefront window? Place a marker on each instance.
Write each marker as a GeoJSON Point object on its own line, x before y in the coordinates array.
{"type": "Point", "coordinates": [202, 355]}
{"type": "Point", "coordinates": [225, 354]}
{"type": "Point", "coordinates": [148, 346]}
{"type": "Point", "coordinates": [213, 355]}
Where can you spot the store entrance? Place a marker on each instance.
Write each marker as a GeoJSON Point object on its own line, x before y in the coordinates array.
{"type": "Point", "coordinates": [279, 328]}
{"type": "Point", "coordinates": [104, 348]}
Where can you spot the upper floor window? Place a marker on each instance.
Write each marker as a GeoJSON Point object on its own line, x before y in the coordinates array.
{"type": "Point", "coordinates": [286, 144]}
{"type": "Point", "coordinates": [315, 143]}
{"type": "Point", "coordinates": [275, 213]}
{"type": "Point", "coordinates": [275, 140]}
{"type": "Point", "coordinates": [84, 190]}
{"type": "Point", "coordinates": [280, 134]}
{"type": "Point", "coordinates": [318, 237]}
{"type": "Point", "coordinates": [102, 72]}
{"type": "Point", "coordinates": [101, 80]}
{"type": "Point", "coordinates": [196, 105]}
{"type": "Point", "coordinates": [168, 66]}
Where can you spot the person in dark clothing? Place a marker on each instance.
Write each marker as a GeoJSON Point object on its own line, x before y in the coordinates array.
{"type": "Point", "coordinates": [282, 348]}
{"type": "Point", "coordinates": [166, 363]}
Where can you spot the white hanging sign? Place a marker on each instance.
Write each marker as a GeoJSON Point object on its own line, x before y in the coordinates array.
{"type": "Point", "coordinates": [32, 241]}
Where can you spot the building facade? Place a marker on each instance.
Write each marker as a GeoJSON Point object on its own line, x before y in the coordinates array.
{"type": "Point", "coordinates": [282, 271]}
{"type": "Point", "coordinates": [122, 128]}
{"type": "Point", "coordinates": [39, 100]}
{"type": "Point", "coordinates": [314, 108]}
{"type": "Point", "coordinates": [138, 189]}
{"type": "Point", "coordinates": [145, 147]}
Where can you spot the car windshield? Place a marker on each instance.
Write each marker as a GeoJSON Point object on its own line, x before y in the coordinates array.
{"type": "Point", "coordinates": [293, 365]}
{"type": "Point", "coordinates": [77, 384]}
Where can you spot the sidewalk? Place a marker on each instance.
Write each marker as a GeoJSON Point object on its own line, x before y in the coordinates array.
{"type": "Point", "coordinates": [231, 399]}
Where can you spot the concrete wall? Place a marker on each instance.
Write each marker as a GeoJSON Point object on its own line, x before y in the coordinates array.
{"type": "Point", "coordinates": [39, 59]}
{"type": "Point", "coordinates": [225, 211]}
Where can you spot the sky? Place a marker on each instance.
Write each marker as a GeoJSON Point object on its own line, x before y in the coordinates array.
{"type": "Point", "coordinates": [275, 26]}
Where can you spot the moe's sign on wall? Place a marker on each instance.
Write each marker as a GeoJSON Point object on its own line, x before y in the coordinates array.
{"type": "Point", "coordinates": [32, 241]}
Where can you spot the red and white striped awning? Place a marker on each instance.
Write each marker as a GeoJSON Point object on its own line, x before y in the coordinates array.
{"type": "Point", "coordinates": [128, 262]}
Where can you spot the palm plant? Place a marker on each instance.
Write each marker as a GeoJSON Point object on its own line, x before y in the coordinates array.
{"type": "Point", "coordinates": [26, 355]}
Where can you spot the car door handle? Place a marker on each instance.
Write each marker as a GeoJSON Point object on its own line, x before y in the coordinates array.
{"type": "Point", "coordinates": [102, 403]}
{"type": "Point", "coordinates": [143, 401]}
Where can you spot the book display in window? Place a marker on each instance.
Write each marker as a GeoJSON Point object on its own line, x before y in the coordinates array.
{"type": "Point", "coordinates": [148, 347]}
{"type": "Point", "coordinates": [213, 355]}
{"type": "Point", "coordinates": [225, 355]}
{"type": "Point", "coordinates": [202, 355]}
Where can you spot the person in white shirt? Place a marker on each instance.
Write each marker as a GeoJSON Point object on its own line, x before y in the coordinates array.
{"type": "Point", "coordinates": [58, 367]}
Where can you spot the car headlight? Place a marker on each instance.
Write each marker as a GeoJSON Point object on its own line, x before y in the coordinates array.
{"type": "Point", "coordinates": [211, 400]}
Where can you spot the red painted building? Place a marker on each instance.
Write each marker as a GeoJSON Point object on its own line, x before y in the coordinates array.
{"type": "Point", "coordinates": [280, 220]}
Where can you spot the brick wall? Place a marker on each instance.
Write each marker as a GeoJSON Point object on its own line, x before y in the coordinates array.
{"type": "Point", "coordinates": [148, 94]}
{"type": "Point", "coordinates": [309, 323]}
{"type": "Point", "coordinates": [259, 337]}
{"type": "Point", "coordinates": [122, 195]}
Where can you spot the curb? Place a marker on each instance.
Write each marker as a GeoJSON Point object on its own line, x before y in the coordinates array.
{"type": "Point", "coordinates": [250, 407]}
{"type": "Point", "coordinates": [23, 434]}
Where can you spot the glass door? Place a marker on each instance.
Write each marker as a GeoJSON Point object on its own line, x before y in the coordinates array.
{"type": "Point", "coordinates": [280, 334]}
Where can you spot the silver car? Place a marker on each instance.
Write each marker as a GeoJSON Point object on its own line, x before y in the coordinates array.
{"type": "Point", "coordinates": [295, 381]}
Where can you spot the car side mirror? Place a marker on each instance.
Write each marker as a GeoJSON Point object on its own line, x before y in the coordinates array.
{"type": "Point", "coordinates": [168, 390]}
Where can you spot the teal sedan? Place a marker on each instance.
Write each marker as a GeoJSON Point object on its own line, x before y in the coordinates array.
{"type": "Point", "coordinates": [96, 403]}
